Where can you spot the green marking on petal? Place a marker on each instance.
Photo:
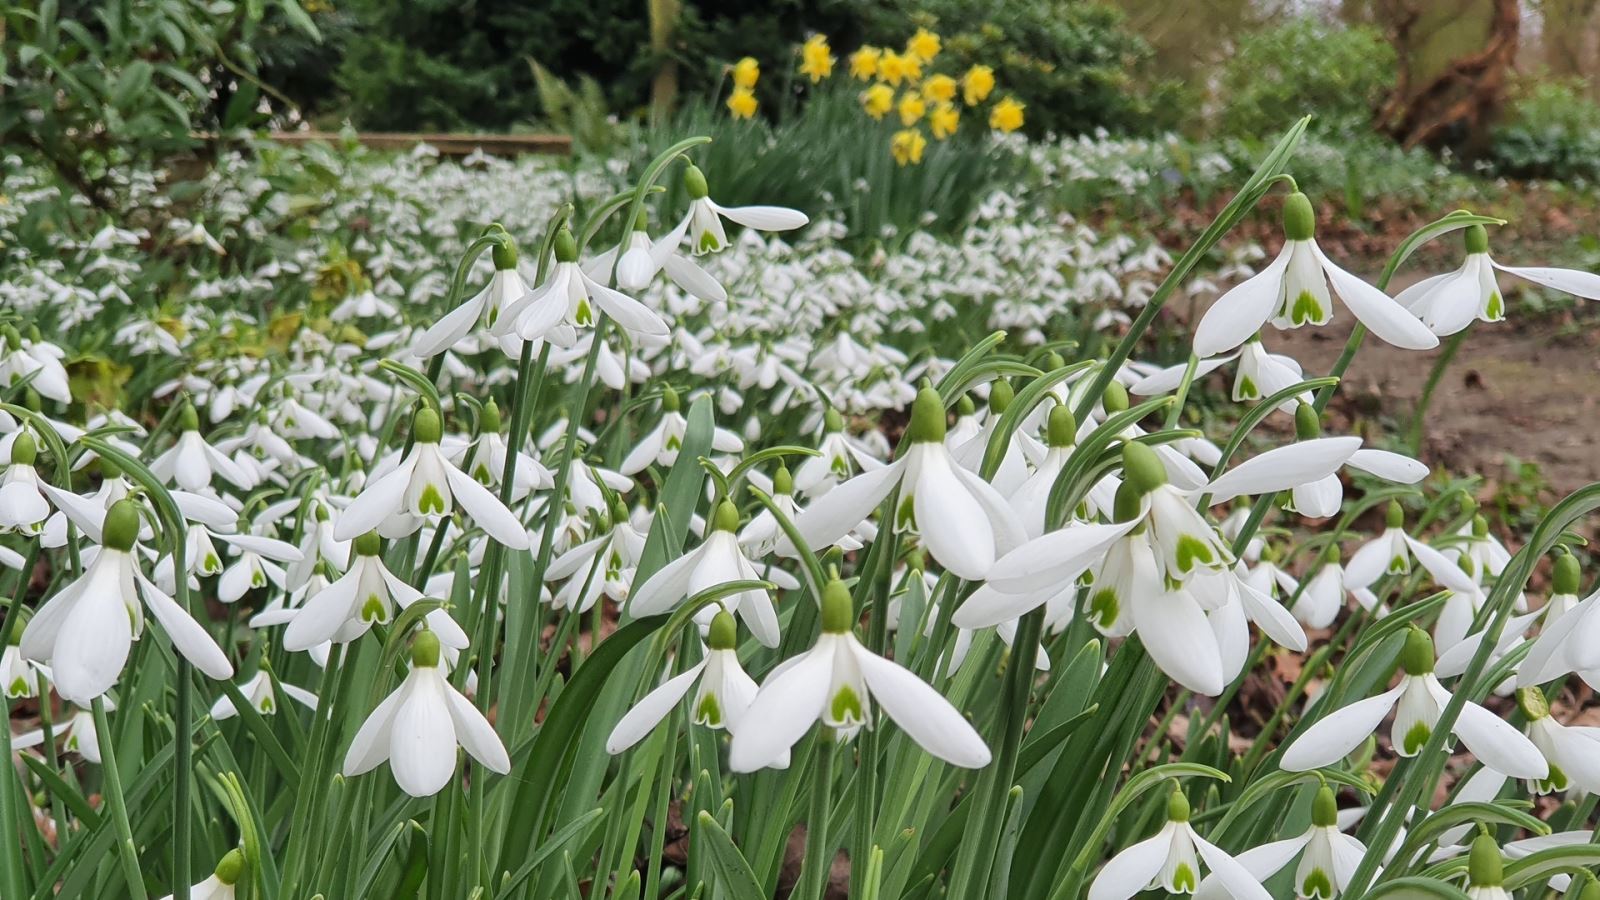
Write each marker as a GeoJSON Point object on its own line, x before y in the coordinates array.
{"type": "Point", "coordinates": [373, 610]}
{"type": "Point", "coordinates": [258, 579]}
{"type": "Point", "coordinates": [1317, 885]}
{"type": "Point", "coordinates": [1192, 550]}
{"type": "Point", "coordinates": [708, 713]}
{"type": "Point", "coordinates": [432, 501]}
{"type": "Point", "coordinates": [1104, 607]}
{"type": "Point", "coordinates": [905, 518]}
{"type": "Point", "coordinates": [267, 705]}
{"type": "Point", "coordinates": [1306, 309]}
{"type": "Point", "coordinates": [1416, 737]}
{"type": "Point", "coordinates": [1398, 565]}
{"type": "Point", "coordinates": [1247, 388]}
{"type": "Point", "coordinates": [846, 707]}
{"type": "Point", "coordinates": [17, 688]}
{"type": "Point", "coordinates": [1184, 879]}
{"type": "Point", "coordinates": [481, 473]}
{"type": "Point", "coordinates": [1495, 309]}
{"type": "Point", "coordinates": [1555, 781]}
{"type": "Point", "coordinates": [674, 444]}
{"type": "Point", "coordinates": [708, 242]}
{"type": "Point", "coordinates": [585, 314]}
{"type": "Point", "coordinates": [840, 467]}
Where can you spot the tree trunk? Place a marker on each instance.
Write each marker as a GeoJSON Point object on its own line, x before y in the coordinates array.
{"type": "Point", "coordinates": [1456, 105]}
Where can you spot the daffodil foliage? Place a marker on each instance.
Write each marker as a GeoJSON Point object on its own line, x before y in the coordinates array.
{"type": "Point", "coordinates": [648, 551]}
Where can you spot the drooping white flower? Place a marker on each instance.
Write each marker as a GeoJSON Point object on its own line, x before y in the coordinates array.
{"type": "Point", "coordinates": [77, 735]}
{"type": "Point", "coordinates": [1293, 291]}
{"type": "Point", "coordinates": [84, 632]}
{"type": "Point", "coordinates": [720, 702]}
{"type": "Point", "coordinates": [1328, 857]}
{"type": "Point", "coordinates": [1386, 554]}
{"type": "Point", "coordinates": [258, 689]}
{"type": "Point", "coordinates": [367, 593]}
{"type": "Point", "coordinates": [1259, 374]}
{"type": "Point", "coordinates": [23, 507]}
{"type": "Point", "coordinates": [191, 462]}
{"type": "Point", "coordinates": [835, 682]}
{"type": "Point", "coordinates": [1170, 861]}
{"type": "Point", "coordinates": [718, 560]}
{"type": "Point", "coordinates": [485, 458]}
{"type": "Point", "coordinates": [1570, 641]}
{"type": "Point", "coordinates": [220, 885]}
{"type": "Point", "coordinates": [425, 485]}
{"type": "Point", "coordinates": [505, 287]}
{"type": "Point", "coordinates": [1573, 752]}
{"type": "Point", "coordinates": [600, 566]}
{"type": "Point", "coordinates": [417, 728]}
{"type": "Point", "coordinates": [660, 444]}
{"type": "Point", "coordinates": [1420, 698]}
{"type": "Point", "coordinates": [964, 523]}
{"type": "Point", "coordinates": [568, 300]}
{"type": "Point", "coordinates": [839, 457]}
{"type": "Point", "coordinates": [703, 223]}
{"type": "Point", "coordinates": [19, 678]}
{"type": "Point", "coordinates": [1450, 302]}
{"type": "Point", "coordinates": [643, 258]}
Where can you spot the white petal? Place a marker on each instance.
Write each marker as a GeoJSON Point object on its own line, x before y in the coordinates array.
{"type": "Point", "coordinates": [475, 733]}
{"type": "Point", "coordinates": [1170, 378]}
{"type": "Point", "coordinates": [1334, 735]}
{"type": "Point", "coordinates": [1498, 745]}
{"type": "Point", "coordinates": [835, 513]}
{"type": "Point", "coordinates": [650, 710]}
{"type": "Point", "coordinates": [445, 333]}
{"type": "Point", "coordinates": [662, 591]}
{"type": "Point", "coordinates": [1389, 466]}
{"type": "Point", "coordinates": [685, 274]}
{"type": "Point", "coordinates": [377, 501]}
{"type": "Point", "coordinates": [922, 712]}
{"type": "Point", "coordinates": [486, 510]}
{"type": "Point", "coordinates": [1177, 636]}
{"type": "Point", "coordinates": [784, 709]}
{"type": "Point", "coordinates": [188, 636]}
{"type": "Point", "coordinates": [1242, 311]}
{"type": "Point", "coordinates": [1273, 620]}
{"type": "Point", "coordinates": [954, 527]}
{"type": "Point", "coordinates": [1445, 572]}
{"type": "Point", "coordinates": [1571, 281]}
{"type": "Point", "coordinates": [1377, 310]}
{"type": "Point", "coordinates": [1284, 467]}
{"type": "Point", "coordinates": [765, 218]}
{"type": "Point", "coordinates": [628, 312]}
{"type": "Point", "coordinates": [1238, 880]}
{"type": "Point", "coordinates": [422, 739]}
{"type": "Point", "coordinates": [1053, 559]}
{"type": "Point", "coordinates": [370, 747]}
{"type": "Point", "coordinates": [1131, 870]}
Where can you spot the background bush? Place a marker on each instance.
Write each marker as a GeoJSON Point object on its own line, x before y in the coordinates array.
{"type": "Point", "coordinates": [1552, 131]}
{"type": "Point", "coordinates": [1279, 74]}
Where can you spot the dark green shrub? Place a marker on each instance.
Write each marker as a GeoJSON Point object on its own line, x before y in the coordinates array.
{"type": "Point", "coordinates": [1304, 66]}
{"type": "Point", "coordinates": [1552, 131]}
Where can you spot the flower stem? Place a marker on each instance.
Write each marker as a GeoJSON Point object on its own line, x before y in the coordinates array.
{"type": "Point", "coordinates": [819, 849]}
{"type": "Point", "coordinates": [1435, 375]}
{"type": "Point", "coordinates": [118, 807]}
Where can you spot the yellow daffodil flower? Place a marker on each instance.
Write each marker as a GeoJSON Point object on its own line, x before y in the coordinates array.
{"type": "Point", "coordinates": [878, 100]}
{"type": "Point", "coordinates": [746, 72]}
{"type": "Point", "coordinates": [892, 67]}
{"type": "Point", "coordinates": [976, 84]}
{"type": "Point", "coordinates": [816, 58]}
{"type": "Point", "coordinates": [742, 103]}
{"type": "Point", "coordinates": [924, 45]}
{"type": "Point", "coordinates": [907, 146]}
{"type": "Point", "coordinates": [939, 89]}
{"type": "Point", "coordinates": [1006, 115]}
{"type": "Point", "coordinates": [943, 120]}
{"type": "Point", "coordinates": [864, 63]}
{"type": "Point", "coordinates": [911, 108]}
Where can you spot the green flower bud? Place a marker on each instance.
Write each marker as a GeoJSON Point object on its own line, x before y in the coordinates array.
{"type": "Point", "coordinates": [1485, 868]}
{"type": "Point", "coordinates": [916, 561]}
{"type": "Point", "coordinates": [13, 337]}
{"type": "Point", "coordinates": [1062, 426]}
{"type": "Point", "coordinates": [726, 517]}
{"type": "Point", "coordinates": [782, 481]}
{"type": "Point", "coordinates": [832, 422]}
{"type": "Point", "coordinates": [491, 417]}
{"type": "Point", "coordinates": [369, 544]}
{"type": "Point", "coordinates": [1307, 423]}
{"type": "Point", "coordinates": [425, 650]}
{"type": "Point", "coordinates": [1480, 527]}
{"type": "Point", "coordinates": [1396, 516]}
{"type": "Point", "coordinates": [927, 418]}
{"type": "Point", "coordinates": [965, 406]}
{"type": "Point", "coordinates": [619, 510]}
{"type": "Point", "coordinates": [1142, 468]}
{"type": "Point", "coordinates": [1416, 657]}
{"type": "Point", "coordinates": [1532, 703]}
{"type": "Point", "coordinates": [1477, 239]}
{"type": "Point", "coordinates": [566, 246]}
{"type": "Point", "coordinates": [1591, 890]}
{"type": "Point", "coordinates": [1177, 806]}
{"type": "Point", "coordinates": [694, 182]}
{"type": "Point", "coordinates": [1129, 503]}
{"type": "Point", "coordinates": [641, 222]}
{"type": "Point", "coordinates": [1330, 554]}
{"type": "Point", "coordinates": [670, 402]}
{"type": "Point", "coordinates": [231, 867]}
{"type": "Point", "coordinates": [121, 526]}
{"type": "Point", "coordinates": [724, 632]}
{"type": "Point", "coordinates": [188, 419]}
{"type": "Point", "coordinates": [23, 450]}
{"type": "Point", "coordinates": [1053, 361]}
{"type": "Point", "coordinates": [1566, 576]}
{"type": "Point", "coordinates": [1299, 220]}
{"type": "Point", "coordinates": [1325, 809]}
{"type": "Point", "coordinates": [838, 609]}
{"type": "Point", "coordinates": [426, 427]}
{"type": "Point", "coordinates": [505, 256]}
{"type": "Point", "coordinates": [1115, 399]}
{"type": "Point", "coordinates": [109, 470]}
{"type": "Point", "coordinates": [1000, 395]}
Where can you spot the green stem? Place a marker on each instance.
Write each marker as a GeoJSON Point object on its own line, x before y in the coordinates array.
{"type": "Point", "coordinates": [819, 849]}
{"type": "Point", "coordinates": [11, 848]}
{"type": "Point", "coordinates": [118, 807]}
{"type": "Point", "coordinates": [1435, 375]}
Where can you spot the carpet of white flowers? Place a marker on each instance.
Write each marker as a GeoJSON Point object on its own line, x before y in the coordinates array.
{"type": "Point", "coordinates": [390, 527]}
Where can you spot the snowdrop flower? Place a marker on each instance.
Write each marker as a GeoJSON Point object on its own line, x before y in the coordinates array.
{"type": "Point", "coordinates": [718, 560]}
{"type": "Point", "coordinates": [1570, 641]}
{"type": "Point", "coordinates": [1420, 698]}
{"type": "Point", "coordinates": [417, 728]}
{"type": "Point", "coordinates": [839, 457]}
{"type": "Point", "coordinates": [1572, 752]}
{"type": "Point", "coordinates": [1448, 303]}
{"type": "Point", "coordinates": [642, 259]}
{"type": "Point", "coordinates": [191, 462]}
{"type": "Point", "coordinates": [1323, 595]}
{"type": "Point", "coordinates": [485, 458]}
{"type": "Point", "coordinates": [1170, 862]}
{"type": "Point", "coordinates": [835, 683]}
{"type": "Point", "coordinates": [259, 691]}
{"type": "Point", "coordinates": [78, 735]}
{"type": "Point", "coordinates": [505, 287]}
{"type": "Point", "coordinates": [85, 631]}
{"type": "Point", "coordinates": [36, 358]}
{"type": "Point", "coordinates": [963, 521]}
{"type": "Point", "coordinates": [196, 233]}
{"type": "Point", "coordinates": [1386, 554]}
{"type": "Point", "coordinates": [601, 566]}
{"type": "Point", "coordinates": [1328, 858]}
{"type": "Point", "coordinates": [23, 507]}
{"type": "Point", "coordinates": [220, 885]}
{"type": "Point", "coordinates": [1259, 374]}
{"type": "Point", "coordinates": [660, 444]}
{"type": "Point", "coordinates": [426, 485]}
{"type": "Point", "coordinates": [367, 593]}
{"type": "Point", "coordinates": [723, 696]}
{"type": "Point", "coordinates": [257, 565]}
{"type": "Point", "coordinates": [18, 676]}
{"type": "Point", "coordinates": [567, 301]}
{"type": "Point", "coordinates": [703, 223]}
{"type": "Point", "coordinates": [1293, 291]}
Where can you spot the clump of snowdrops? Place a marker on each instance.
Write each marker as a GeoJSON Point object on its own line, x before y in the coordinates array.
{"type": "Point", "coordinates": [473, 611]}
